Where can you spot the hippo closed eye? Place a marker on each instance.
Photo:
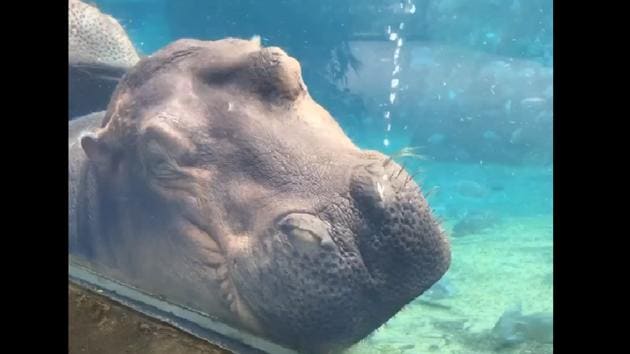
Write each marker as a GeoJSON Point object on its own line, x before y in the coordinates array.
{"type": "Point", "coordinates": [215, 180]}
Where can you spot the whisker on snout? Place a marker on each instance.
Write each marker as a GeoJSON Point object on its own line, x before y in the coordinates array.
{"type": "Point", "coordinates": [410, 178]}
{"type": "Point", "coordinates": [402, 168]}
{"type": "Point", "coordinates": [431, 192]}
{"type": "Point", "coordinates": [400, 171]}
{"type": "Point", "coordinates": [408, 151]}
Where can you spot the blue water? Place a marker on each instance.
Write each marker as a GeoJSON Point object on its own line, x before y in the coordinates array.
{"type": "Point", "coordinates": [475, 95]}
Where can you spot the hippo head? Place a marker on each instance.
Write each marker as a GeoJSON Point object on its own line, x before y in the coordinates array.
{"type": "Point", "coordinates": [219, 167]}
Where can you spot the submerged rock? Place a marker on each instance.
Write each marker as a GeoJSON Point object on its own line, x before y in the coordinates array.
{"type": "Point", "coordinates": [514, 328]}
{"type": "Point", "coordinates": [475, 222]}
{"type": "Point", "coordinates": [441, 290]}
{"type": "Point", "coordinates": [472, 189]}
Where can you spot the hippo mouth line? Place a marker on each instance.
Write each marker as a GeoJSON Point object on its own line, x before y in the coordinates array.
{"type": "Point", "coordinates": [214, 259]}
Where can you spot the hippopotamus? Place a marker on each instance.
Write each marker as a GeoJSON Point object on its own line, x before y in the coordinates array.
{"type": "Point", "coordinates": [215, 181]}
{"type": "Point", "coordinates": [99, 54]}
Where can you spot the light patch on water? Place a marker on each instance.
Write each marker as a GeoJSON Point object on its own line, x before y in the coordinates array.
{"type": "Point", "coordinates": [421, 57]}
{"type": "Point", "coordinates": [490, 135]}
{"type": "Point", "coordinates": [395, 83]}
{"type": "Point", "coordinates": [508, 106]}
{"type": "Point", "coordinates": [436, 138]}
{"type": "Point", "coordinates": [386, 142]}
{"type": "Point", "coordinates": [392, 97]}
{"type": "Point", "coordinates": [393, 36]}
{"type": "Point", "coordinates": [532, 101]}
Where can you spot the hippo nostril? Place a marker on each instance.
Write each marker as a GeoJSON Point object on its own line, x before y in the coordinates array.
{"type": "Point", "coordinates": [327, 243]}
{"type": "Point", "coordinates": [369, 190]}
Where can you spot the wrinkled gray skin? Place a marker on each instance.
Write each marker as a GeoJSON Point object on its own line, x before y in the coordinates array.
{"type": "Point", "coordinates": [216, 181]}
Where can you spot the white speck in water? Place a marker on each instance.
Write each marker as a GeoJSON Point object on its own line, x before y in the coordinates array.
{"type": "Point", "coordinates": [492, 88]}
{"type": "Point", "coordinates": [405, 127]}
{"type": "Point", "coordinates": [396, 70]}
{"type": "Point", "coordinates": [412, 9]}
{"type": "Point", "coordinates": [396, 53]}
{"type": "Point", "coordinates": [389, 29]}
{"type": "Point", "coordinates": [400, 42]}
{"type": "Point", "coordinates": [389, 127]}
{"type": "Point", "coordinates": [444, 83]}
{"type": "Point", "coordinates": [393, 36]}
{"type": "Point", "coordinates": [394, 83]}
{"type": "Point", "coordinates": [386, 142]}
{"type": "Point", "coordinates": [387, 115]}
{"type": "Point", "coordinates": [392, 97]}
{"type": "Point", "coordinates": [230, 106]}
{"type": "Point", "coordinates": [401, 26]}
{"type": "Point", "coordinates": [508, 106]}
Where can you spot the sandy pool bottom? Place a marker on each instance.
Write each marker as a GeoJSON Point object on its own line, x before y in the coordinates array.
{"type": "Point", "coordinates": [491, 271]}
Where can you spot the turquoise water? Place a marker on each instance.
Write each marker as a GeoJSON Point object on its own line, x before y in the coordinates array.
{"type": "Point", "coordinates": [473, 92]}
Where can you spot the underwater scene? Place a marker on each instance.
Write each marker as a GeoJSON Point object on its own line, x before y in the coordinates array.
{"type": "Point", "coordinates": [458, 94]}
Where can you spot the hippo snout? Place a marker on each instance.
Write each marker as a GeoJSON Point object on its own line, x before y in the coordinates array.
{"type": "Point", "coordinates": [401, 244]}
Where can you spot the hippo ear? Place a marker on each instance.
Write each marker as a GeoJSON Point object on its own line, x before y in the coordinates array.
{"type": "Point", "coordinates": [95, 149]}
{"type": "Point", "coordinates": [277, 75]}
